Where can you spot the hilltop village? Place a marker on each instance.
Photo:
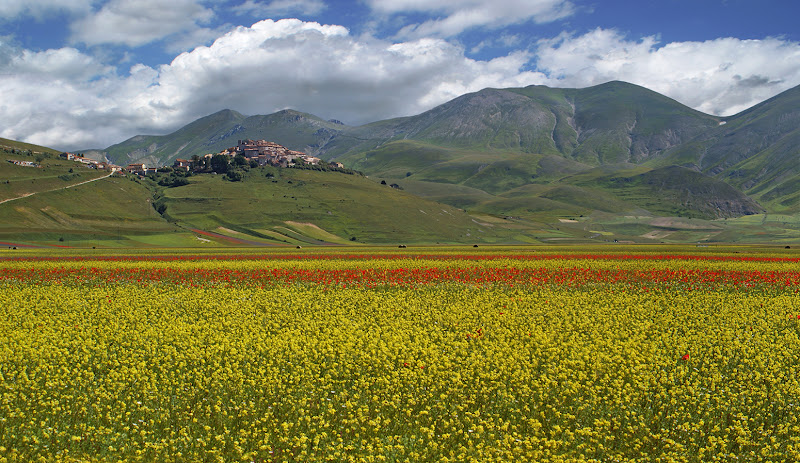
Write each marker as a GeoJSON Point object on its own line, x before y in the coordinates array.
{"type": "Point", "coordinates": [256, 152]}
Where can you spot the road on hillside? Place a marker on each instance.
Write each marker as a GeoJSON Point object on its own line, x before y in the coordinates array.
{"type": "Point", "coordinates": [56, 189]}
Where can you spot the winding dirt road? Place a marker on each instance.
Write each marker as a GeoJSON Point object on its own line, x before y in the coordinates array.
{"type": "Point", "coordinates": [56, 189]}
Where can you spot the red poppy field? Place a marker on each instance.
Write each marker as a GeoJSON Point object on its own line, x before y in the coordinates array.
{"type": "Point", "coordinates": [436, 354]}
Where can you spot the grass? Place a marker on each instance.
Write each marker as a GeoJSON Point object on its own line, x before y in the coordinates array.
{"type": "Point", "coordinates": [53, 173]}
{"type": "Point", "coordinates": [8, 145]}
{"type": "Point", "coordinates": [108, 209]}
{"type": "Point", "coordinates": [313, 231]}
{"type": "Point", "coordinates": [318, 206]}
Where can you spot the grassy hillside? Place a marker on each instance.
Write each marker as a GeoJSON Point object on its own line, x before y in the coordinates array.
{"type": "Point", "coordinates": [756, 151]}
{"type": "Point", "coordinates": [54, 205]}
{"type": "Point", "coordinates": [619, 122]}
{"type": "Point", "coordinates": [609, 123]}
{"type": "Point", "coordinates": [512, 183]}
{"type": "Point", "coordinates": [162, 150]}
{"type": "Point", "coordinates": [27, 148]}
{"type": "Point", "coordinates": [52, 173]}
{"type": "Point", "coordinates": [292, 206]}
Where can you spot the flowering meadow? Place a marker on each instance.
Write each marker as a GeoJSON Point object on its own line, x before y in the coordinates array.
{"type": "Point", "coordinates": [381, 355]}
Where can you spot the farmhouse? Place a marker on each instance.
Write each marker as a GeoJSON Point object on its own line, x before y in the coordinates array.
{"type": "Point", "coordinates": [140, 169]}
{"type": "Point", "coordinates": [182, 164]}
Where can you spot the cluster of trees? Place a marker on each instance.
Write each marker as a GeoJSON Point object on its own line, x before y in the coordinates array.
{"type": "Point", "coordinates": [324, 167]}
{"type": "Point", "coordinates": [221, 163]}
{"type": "Point", "coordinates": [233, 168]}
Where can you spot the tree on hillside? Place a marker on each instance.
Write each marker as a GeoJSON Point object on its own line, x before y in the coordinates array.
{"type": "Point", "coordinates": [199, 164]}
{"type": "Point", "coordinates": [239, 160]}
{"type": "Point", "coordinates": [219, 163]}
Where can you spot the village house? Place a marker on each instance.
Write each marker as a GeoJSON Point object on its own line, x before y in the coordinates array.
{"type": "Point", "coordinates": [24, 163]}
{"type": "Point", "coordinates": [140, 169]}
{"type": "Point", "coordinates": [90, 163]}
{"type": "Point", "coordinates": [182, 164]}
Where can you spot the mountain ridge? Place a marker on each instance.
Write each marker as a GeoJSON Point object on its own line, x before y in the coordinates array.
{"type": "Point", "coordinates": [496, 140]}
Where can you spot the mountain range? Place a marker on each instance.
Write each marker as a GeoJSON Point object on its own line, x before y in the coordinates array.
{"type": "Point", "coordinates": [561, 149]}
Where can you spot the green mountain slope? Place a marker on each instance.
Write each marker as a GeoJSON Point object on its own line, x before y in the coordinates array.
{"type": "Point", "coordinates": [610, 123]}
{"type": "Point", "coordinates": [544, 152]}
{"type": "Point", "coordinates": [497, 141]}
{"type": "Point", "coordinates": [757, 151]}
{"type": "Point", "coordinates": [191, 139]}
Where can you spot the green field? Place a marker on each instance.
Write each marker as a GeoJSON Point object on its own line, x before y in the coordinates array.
{"type": "Point", "coordinates": [293, 205]}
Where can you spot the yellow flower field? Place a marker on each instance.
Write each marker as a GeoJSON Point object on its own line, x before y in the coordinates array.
{"type": "Point", "coordinates": [509, 355]}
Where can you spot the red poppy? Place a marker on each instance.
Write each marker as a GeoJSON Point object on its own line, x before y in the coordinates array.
{"type": "Point", "coordinates": [685, 357]}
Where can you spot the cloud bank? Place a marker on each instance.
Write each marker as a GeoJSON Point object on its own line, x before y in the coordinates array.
{"type": "Point", "coordinates": [721, 77]}
{"type": "Point", "coordinates": [68, 99]}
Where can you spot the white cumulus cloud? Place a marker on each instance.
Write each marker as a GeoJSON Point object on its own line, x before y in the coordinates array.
{"type": "Point", "coordinates": [139, 22]}
{"type": "Point", "coordinates": [455, 16]}
{"type": "Point", "coordinates": [324, 70]}
{"type": "Point", "coordinates": [53, 97]}
{"type": "Point", "coordinates": [280, 7]}
{"type": "Point", "coordinates": [721, 76]}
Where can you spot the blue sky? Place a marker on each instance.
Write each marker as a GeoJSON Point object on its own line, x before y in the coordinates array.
{"type": "Point", "coordinates": [90, 73]}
